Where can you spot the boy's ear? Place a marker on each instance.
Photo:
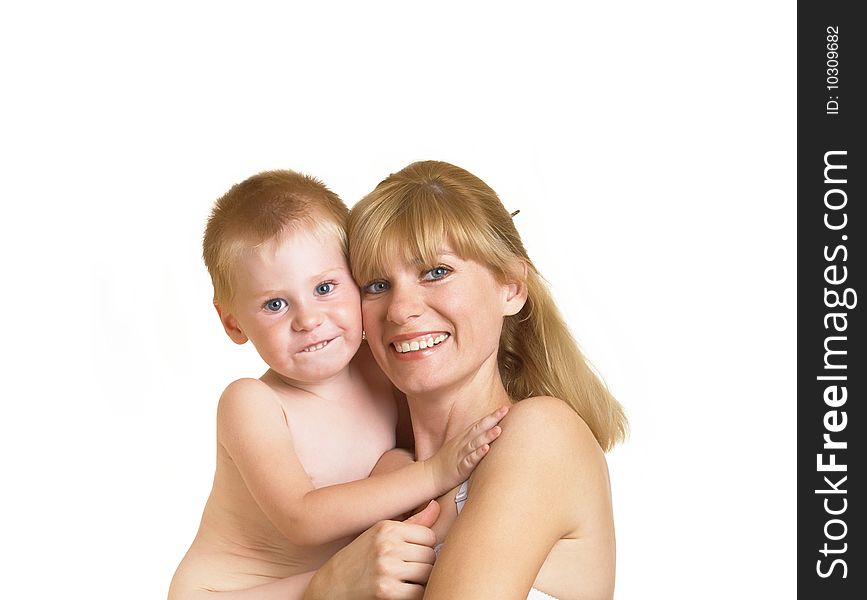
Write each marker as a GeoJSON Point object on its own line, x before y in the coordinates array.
{"type": "Point", "coordinates": [230, 324]}
{"type": "Point", "coordinates": [516, 291]}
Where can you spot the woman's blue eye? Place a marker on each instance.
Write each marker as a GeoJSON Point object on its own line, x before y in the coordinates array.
{"type": "Point", "coordinates": [376, 287]}
{"type": "Point", "coordinates": [324, 288]}
{"type": "Point", "coordinates": [436, 273]}
{"type": "Point", "coordinates": [275, 305]}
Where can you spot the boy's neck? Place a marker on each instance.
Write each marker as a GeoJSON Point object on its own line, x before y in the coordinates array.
{"type": "Point", "coordinates": [443, 414]}
{"type": "Point", "coordinates": [326, 388]}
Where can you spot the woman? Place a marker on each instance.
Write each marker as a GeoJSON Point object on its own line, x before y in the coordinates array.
{"type": "Point", "coordinates": [458, 318]}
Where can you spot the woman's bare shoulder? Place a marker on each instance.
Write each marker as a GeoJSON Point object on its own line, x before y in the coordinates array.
{"type": "Point", "coordinates": [545, 446]}
{"type": "Point", "coordinates": [545, 422]}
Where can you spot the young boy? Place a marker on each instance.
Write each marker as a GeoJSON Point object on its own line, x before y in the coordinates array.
{"type": "Point", "coordinates": [296, 448]}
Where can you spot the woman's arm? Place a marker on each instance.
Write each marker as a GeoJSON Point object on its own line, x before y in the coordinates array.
{"type": "Point", "coordinates": [253, 430]}
{"type": "Point", "coordinates": [389, 561]}
{"type": "Point", "coordinates": [290, 588]}
{"type": "Point", "coordinates": [542, 482]}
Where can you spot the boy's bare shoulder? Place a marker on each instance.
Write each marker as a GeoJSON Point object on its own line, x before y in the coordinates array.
{"type": "Point", "coordinates": [246, 389]}
{"type": "Point", "coordinates": [247, 399]}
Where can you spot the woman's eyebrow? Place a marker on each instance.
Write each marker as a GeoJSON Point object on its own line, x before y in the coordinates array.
{"type": "Point", "coordinates": [447, 252]}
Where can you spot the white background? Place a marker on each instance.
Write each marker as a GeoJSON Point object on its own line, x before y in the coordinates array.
{"type": "Point", "coordinates": [650, 147]}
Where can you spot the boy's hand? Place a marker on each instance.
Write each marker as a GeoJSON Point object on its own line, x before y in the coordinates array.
{"type": "Point", "coordinates": [453, 463]}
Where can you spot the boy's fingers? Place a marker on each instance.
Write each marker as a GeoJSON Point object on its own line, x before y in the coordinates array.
{"type": "Point", "coordinates": [486, 437]}
{"type": "Point", "coordinates": [492, 419]}
{"type": "Point", "coordinates": [492, 433]}
{"type": "Point", "coordinates": [475, 457]}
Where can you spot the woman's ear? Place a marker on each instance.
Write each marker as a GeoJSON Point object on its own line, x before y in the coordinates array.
{"type": "Point", "coordinates": [230, 324]}
{"type": "Point", "coordinates": [516, 290]}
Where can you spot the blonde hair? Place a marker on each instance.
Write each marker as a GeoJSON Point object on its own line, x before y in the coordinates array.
{"type": "Point", "coordinates": [414, 211]}
{"type": "Point", "coordinates": [259, 209]}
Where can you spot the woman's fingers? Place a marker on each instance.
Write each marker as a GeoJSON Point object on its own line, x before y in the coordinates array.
{"type": "Point", "coordinates": [427, 516]}
{"type": "Point", "coordinates": [416, 573]}
{"type": "Point", "coordinates": [417, 553]}
{"type": "Point", "coordinates": [391, 560]}
{"type": "Point", "coordinates": [407, 591]}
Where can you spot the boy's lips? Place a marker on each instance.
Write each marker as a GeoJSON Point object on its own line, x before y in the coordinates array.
{"type": "Point", "coordinates": [316, 346]}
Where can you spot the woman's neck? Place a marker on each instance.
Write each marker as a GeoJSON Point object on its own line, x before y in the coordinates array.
{"type": "Point", "coordinates": [444, 413]}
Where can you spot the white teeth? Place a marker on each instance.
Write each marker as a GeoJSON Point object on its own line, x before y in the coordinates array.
{"type": "Point", "coordinates": [318, 346]}
{"type": "Point", "coordinates": [421, 344]}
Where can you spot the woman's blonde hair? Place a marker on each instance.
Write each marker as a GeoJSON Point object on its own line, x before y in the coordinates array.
{"type": "Point", "coordinates": [414, 211]}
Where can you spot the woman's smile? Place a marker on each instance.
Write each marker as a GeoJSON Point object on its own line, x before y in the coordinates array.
{"type": "Point", "coordinates": [432, 327]}
{"type": "Point", "coordinates": [417, 346]}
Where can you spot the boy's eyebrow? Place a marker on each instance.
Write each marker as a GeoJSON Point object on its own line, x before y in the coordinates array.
{"type": "Point", "coordinates": [327, 272]}
{"type": "Point", "coordinates": [276, 292]}
{"type": "Point", "coordinates": [265, 293]}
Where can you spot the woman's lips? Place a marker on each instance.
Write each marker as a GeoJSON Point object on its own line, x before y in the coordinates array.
{"type": "Point", "coordinates": [416, 346]}
{"type": "Point", "coordinates": [419, 342]}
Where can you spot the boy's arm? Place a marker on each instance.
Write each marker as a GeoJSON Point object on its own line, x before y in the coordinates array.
{"type": "Point", "coordinates": [253, 430]}
{"type": "Point", "coordinates": [394, 459]}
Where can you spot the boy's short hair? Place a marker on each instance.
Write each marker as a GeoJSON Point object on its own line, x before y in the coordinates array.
{"type": "Point", "coordinates": [259, 209]}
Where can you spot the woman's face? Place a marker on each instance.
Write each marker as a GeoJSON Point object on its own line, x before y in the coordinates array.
{"type": "Point", "coordinates": [434, 327]}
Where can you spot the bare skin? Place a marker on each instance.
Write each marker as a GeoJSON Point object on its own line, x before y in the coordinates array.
{"type": "Point", "coordinates": [237, 545]}
{"type": "Point", "coordinates": [296, 448]}
{"type": "Point", "coordinates": [532, 519]}
{"type": "Point", "coordinates": [539, 508]}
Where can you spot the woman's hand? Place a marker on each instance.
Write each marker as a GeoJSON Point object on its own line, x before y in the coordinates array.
{"type": "Point", "coordinates": [390, 561]}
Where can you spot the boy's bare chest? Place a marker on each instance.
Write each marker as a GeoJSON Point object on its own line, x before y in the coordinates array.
{"type": "Point", "coordinates": [340, 442]}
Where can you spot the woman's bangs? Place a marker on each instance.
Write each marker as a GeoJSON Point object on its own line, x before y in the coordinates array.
{"type": "Point", "coordinates": [391, 232]}
{"type": "Point", "coordinates": [415, 227]}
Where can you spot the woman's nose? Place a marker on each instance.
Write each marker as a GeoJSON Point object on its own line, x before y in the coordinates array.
{"type": "Point", "coordinates": [404, 305]}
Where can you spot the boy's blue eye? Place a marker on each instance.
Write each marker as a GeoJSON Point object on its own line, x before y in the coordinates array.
{"type": "Point", "coordinates": [375, 287]}
{"type": "Point", "coordinates": [436, 273]}
{"type": "Point", "coordinates": [275, 305]}
{"type": "Point", "coordinates": [324, 288]}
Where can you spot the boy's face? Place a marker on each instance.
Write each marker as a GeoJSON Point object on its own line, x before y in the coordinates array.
{"type": "Point", "coordinates": [295, 299]}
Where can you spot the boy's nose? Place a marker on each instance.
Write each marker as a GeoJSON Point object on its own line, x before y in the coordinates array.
{"type": "Point", "coordinates": [306, 319]}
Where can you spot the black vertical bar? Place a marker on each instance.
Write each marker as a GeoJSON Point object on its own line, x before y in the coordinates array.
{"type": "Point", "coordinates": [832, 370]}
